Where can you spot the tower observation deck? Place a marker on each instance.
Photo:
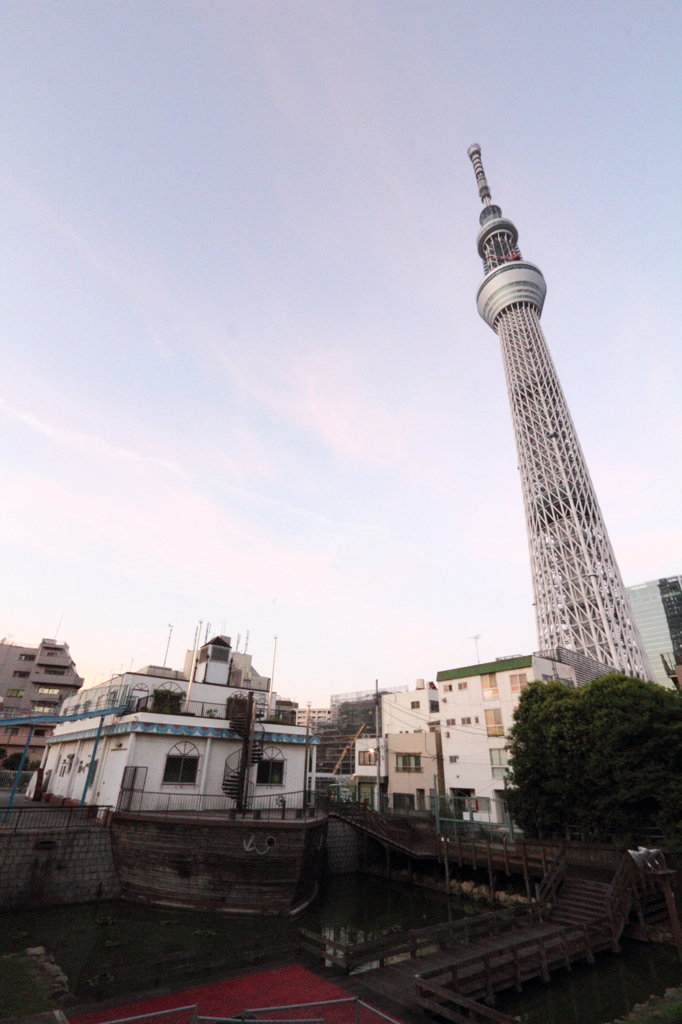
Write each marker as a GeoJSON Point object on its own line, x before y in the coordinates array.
{"type": "Point", "coordinates": [580, 600]}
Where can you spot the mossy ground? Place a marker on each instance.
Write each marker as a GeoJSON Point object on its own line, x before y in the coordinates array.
{"type": "Point", "coordinates": [21, 992]}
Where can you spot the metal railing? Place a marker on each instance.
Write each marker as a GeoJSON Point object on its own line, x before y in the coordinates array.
{"type": "Point", "coordinates": [7, 779]}
{"type": "Point", "coordinates": [273, 806]}
{"type": "Point", "coordinates": [41, 817]}
{"type": "Point", "coordinates": [206, 709]}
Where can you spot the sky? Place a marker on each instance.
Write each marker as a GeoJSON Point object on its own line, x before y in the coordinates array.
{"type": "Point", "coordinates": [243, 378]}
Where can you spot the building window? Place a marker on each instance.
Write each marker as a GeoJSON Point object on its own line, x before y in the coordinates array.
{"type": "Point", "coordinates": [182, 763]}
{"type": "Point", "coordinates": [475, 721]}
{"type": "Point", "coordinates": [270, 773]}
{"type": "Point", "coordinates": [403, 801]}
{"type": "Point", "coordinates": [518, 682]}
{"type": "Point", "coordinates": [466, 721]}
{"type": "Point", "coordinates": [40, 732]}
{"type": "Point", "coordinates": [49, 689]}
{"type": "Point", "coordinates": [367, 757]}
{"type": "Point", "coordinates": [44, 709]}
{"type": "Point", "coordinates": [27, 657]}
{"type": "Point", "coordinates": [21, 675]}
{"type": "Point", "coordinates": [15, 693]}
{"type": "Point", "coordinates": [433, 707]}
{"type": "Point", "coordinates": [454, 758]}
{"type": "Point", "coordinates": [11, 731]}
{"type": "Point", "coordinates": [483, 804]}
{"type": "Point", "coordinates": [499, 756]}
{"type": "Point", "coordinates": [489, 685]}
{"type": "Point", "coordinates": [53, 671]}
{"type": "Point", "coordinates": [415, 704]}
{"type": "Point", "coordinates": [447, 688]}
{"type": "Point", "coordinates": [463, 686]}
{"type": "Point", "coordinates": [408, 762]}
{"type": "Point", "coordinates": [493, 722]}
{"type": "Point", "coordinates": [451, 721]}
{"type": "Point", "coordinates": [271, 768]}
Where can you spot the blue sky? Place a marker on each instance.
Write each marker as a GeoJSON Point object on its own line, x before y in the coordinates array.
{"type": "Point", "coordinates": [243, 377]}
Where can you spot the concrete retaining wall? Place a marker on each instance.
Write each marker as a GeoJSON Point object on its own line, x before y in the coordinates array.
{"type": "Point", "coordinates": [48, 867]}
{"type": "Point", "coordinates": [345, 846]}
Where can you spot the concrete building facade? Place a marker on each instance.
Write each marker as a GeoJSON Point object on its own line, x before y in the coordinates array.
{"type": "Point", "coordinates": [34, 680]}
{"type": "Point", "coordinates": [477, 706]}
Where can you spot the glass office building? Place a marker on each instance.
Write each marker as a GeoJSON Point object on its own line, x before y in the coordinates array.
{"type": "Point", "coordinates": [657, 609]}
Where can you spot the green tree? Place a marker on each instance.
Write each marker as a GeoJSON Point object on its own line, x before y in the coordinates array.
{"type": "Point", "coordinates": [606, 758]}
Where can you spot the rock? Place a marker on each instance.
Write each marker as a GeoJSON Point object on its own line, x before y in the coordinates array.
{"type": "Point", "coordinates": [468, 887]}
{"type": "Point", "coordinates": [672, 995]}
{"type": "Point", "coordinates": [35, 951]}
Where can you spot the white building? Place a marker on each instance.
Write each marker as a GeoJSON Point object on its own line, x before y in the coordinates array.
{"type": "Point", "coordinates": [317, 716]}
{"type": "Point", "coordinates": [477, 704]}
{"type": "Point", "coordinates": [178, 745]}
{"type": "Point", "coordinates": [409, 750]}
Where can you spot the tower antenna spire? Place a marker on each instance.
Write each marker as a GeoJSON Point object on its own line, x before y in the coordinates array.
{"type": "Point", "coordinates": [580, 601]}
{"type": "Point", "coordinates": [481, 180]}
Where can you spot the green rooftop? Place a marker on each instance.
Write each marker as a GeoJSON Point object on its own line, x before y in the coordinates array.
{"type": "Point", "coordinates": [504, 665]}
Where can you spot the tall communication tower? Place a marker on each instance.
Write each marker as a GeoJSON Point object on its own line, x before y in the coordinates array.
{"type": "Point", "coordinates": [580, 601]}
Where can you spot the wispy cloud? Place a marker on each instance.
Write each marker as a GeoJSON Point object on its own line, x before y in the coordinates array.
{"type": "Point", "coordinates": [95, 446]}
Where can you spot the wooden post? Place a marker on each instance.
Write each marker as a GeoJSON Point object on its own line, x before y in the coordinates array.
{"type": "Point", "coordinates": [490, 994]}
{"type": "Point", "coordinates": [491, 877]}
{"type": "Point", "coordinates": [525, 871]}
{"type": "Point", "coordinates": [543, 960]}
{"type": "Point", "coordinates": [544, 860]}
{"type": "Point", "coordinates": [517, 970]}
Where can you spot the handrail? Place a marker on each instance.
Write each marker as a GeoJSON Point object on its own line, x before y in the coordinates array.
{"type": "Point", "coordinates": [470, 929]}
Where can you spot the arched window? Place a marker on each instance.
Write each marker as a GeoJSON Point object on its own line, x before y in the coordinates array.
{"type": "Point", "coordinates": [181, 765]}
{"type": "Point", "coordinates": [271, 768]}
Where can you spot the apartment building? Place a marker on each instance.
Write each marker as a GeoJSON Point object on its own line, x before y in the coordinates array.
{"type": "Point", "coordinates": [34, 680]}
{"type": "Point", "coordinates": [477, 706]}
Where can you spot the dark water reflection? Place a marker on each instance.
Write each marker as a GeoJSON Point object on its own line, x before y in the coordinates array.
{"type": "Point", "coordinates": [351, 908]}
{"type": "Point", "coordinates": [592, 995]}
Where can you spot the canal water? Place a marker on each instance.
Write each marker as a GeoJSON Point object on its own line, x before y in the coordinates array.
{"type": "Point", "coordinates": [351, 908]}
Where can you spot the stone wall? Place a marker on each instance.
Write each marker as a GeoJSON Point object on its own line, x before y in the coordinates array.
{"type": "Point", "coordinates": [48, 867]}
{"type": "Point", "coordinates": [344, 848]}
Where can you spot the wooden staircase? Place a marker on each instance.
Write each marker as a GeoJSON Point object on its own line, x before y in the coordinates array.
{"type": "Point", "coordinates": [579, 900]}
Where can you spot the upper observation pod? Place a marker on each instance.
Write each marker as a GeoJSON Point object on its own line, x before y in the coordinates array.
{"type": "Point", "coordinates": [509, 279]}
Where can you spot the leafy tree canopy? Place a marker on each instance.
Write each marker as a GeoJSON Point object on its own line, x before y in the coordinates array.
{"type": "Point", "coordinates": [605, 758]}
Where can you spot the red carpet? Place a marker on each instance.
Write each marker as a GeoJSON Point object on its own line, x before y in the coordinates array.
{"type": "Point", "coordinates": [278, 987]}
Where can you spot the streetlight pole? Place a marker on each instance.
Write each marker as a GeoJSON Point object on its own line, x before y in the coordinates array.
{"type": "Point", "coordinates": [307, 743]}
{"type": "Point", "coordinates": [377, 729]}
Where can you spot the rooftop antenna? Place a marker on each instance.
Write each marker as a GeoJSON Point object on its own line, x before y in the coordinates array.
{"type": "Point", "coordinates": [208, 630]}
{"type": "Point", "coordinates": [61, 619]}
{"type": "Point", "coordinates": [476, 639]}
{"type": "Point", "coordinates": [170, 634]}
{"type": "Point", "coordinates": [239, 636]}
{"type": "Point", "coordinates": [246, 642]}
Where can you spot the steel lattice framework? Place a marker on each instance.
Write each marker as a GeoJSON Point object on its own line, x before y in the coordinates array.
{"type": "Point", "coordinates": [580, 601]}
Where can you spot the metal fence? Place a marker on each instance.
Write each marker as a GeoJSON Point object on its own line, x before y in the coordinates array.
{"type": "Point", "coordinates": [46, 816]}
{"type": "Point", "coordinates": [283, 806]}
{"type": "Point", "coordinates": [329, 1011]}
{"type": "Point", "coordinates": [7, 780]}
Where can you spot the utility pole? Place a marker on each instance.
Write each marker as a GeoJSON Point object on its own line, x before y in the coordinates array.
{"type": "Point", "coordinates": [377, 729]}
